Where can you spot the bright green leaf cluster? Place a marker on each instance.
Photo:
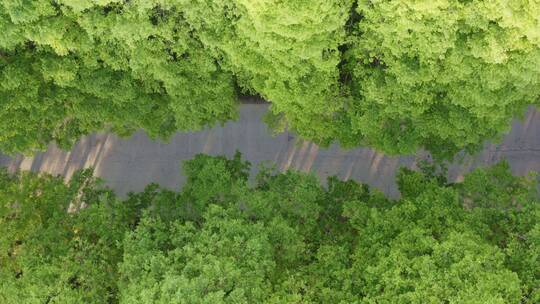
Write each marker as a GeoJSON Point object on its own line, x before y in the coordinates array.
{"type": "Point", "coordinates": [286, 51]}
{"type": "Point", "coordinates": [443, 75]}
{"type": "Point", "coordinates": [68, 68]}
{"type": "Point", "coordinates": [440, 74]}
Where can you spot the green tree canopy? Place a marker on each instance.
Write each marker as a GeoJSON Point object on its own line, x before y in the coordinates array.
{"type": "Point", "coordinates": [442, 75]}
{"type": "Point", "coordinates": [68, 68]}
{"type": "Point", "coordinates": [398, 76]}
{"type": "Point", "coordinates": [48, 255]}
{"type": "Point", "coordinates": [286, 51]}
{"type": "Point", "coordinates": [281, 238]}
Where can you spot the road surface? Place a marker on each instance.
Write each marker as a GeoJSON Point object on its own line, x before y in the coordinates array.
{"type": "Point", "coordinates": [129, 164]}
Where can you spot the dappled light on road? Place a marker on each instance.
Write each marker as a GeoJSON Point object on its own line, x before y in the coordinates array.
{"type": "Point", "coordinates": [129, 164]}
{"type": "Point", "coordinates": [89, 152]}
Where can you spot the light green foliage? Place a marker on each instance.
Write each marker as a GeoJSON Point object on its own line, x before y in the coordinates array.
{"type": "Point", "coordinates": [422, 250]}
{"type": "Point", "coordinates": [440, 74]}
{"type": "Point", "coordinates": [443, 75]}
{"type": "Point", "coordinates": [282, 238]}
{"type": "Point", "coordinates": [420, 269]}
{"type": "Point", "coordinates": [225, 260]}
{"type": "Point", "coordinates": [286, 51]}
{"type": "Point", "coordinates": [68, 68]}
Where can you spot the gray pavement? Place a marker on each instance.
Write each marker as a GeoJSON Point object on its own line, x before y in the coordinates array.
{"type": "Point", "coordinates": [129, 164]}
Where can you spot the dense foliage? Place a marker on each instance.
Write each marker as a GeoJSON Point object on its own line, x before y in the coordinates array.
{"type": "Point", "coordinates": [48, 255]}
{"type": "Point", "coordinates": [443, 74]}
{"type": "Point", "coordinates": [68, 68]}
{"type": "Point", "coordinates": [286, 51]}
{"type": "Point", "coordinates": [395, 75]}
{"type": "Point", "coordinates": [283, 238]}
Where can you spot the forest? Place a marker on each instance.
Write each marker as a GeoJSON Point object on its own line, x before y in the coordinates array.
{"type": "Point", "coordinates": [398, 76]}
{"type": "Point", "coordinates": [282, 238]}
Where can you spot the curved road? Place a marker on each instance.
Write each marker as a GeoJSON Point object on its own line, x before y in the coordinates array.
{"type": "Point", "coordinates": [129, 164]}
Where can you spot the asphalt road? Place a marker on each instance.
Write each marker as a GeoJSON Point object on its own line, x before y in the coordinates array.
{"type": "Point", "coordinates": [128, 164]}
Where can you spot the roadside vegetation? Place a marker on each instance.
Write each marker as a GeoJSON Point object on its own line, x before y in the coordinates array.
{"type": "Point", "coordinates": [281, 238]}
{"type": "Point", "coordinates": [399, 76]}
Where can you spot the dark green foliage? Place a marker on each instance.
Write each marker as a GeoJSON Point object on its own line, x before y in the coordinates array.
{"type": "Point", "coordinates": [48, 255]}
{"type": "Point", "coordinates": [283, 239]}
